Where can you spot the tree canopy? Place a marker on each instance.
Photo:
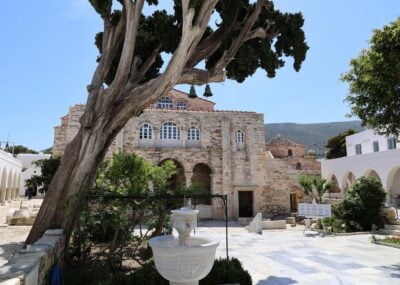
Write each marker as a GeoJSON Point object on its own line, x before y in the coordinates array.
{"type": "Point", "coordinates": [48, 168]}
{"type": "Point", "coordinates": [337, 145]}
{"type": "Point", "coordinates": [374, 79]}
{"type": "Point", "coordinates": [19, 149]}
{"type": "Point", "coordinates": [314, 186]}
{"type": "Point", "coordinates": [253, 42]}
{"type": "Point", "coordinates": [208, 40]}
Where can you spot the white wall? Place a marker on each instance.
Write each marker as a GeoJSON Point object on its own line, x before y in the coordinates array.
{"type": "Point", "coordinates": [385, 163]}
{"type": "Point", "coordinates": [27, 160]}
{"type": "Point", "coordinates": [366, 139]}
{"type": "Point", "coordinates": [10, 176]}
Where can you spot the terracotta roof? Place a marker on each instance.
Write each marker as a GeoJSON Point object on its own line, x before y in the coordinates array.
{"type": "Point", "coordinates": [202, 111]}
{"type": "Point", "coordinates": [198, 98]}
{"type": "Point", "coordinates": [280, 140]}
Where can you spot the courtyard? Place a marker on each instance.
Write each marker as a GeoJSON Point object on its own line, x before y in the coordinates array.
{"type": "Point", "coordinates": [279, 257]}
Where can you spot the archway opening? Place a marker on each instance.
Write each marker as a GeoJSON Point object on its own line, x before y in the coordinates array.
{"type": "Point", "coordinates": [334, 185]}
{"type": "Point", "coordinates": [395, 189]}
{"type": "Point", "coordinates": [177, 180]}
{"type": "Point", "coordinates": [201, 181]}
{"type": "Point", "coordinates": [372, 173]}
{"type": "Point", "coordinates": [350, 181]}
{"type": "Point", "coordinates": [298, 166]}
{"type": "Point", "coordinates": [3, 186]}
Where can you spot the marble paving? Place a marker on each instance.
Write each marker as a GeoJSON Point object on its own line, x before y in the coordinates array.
{"type": "Point", "coordinates": [288, 257]}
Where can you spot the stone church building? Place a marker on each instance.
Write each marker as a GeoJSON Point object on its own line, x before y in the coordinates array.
{"type": "Point", "coordinates": [224, 152]}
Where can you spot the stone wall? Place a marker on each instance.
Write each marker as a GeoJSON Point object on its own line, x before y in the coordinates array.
{"type": "Point", "coordinates": [32, 266]}
{"type": "Point", "coordinates": [281, 147]}
{"type": "Point", "coordinates": [234, 166]}
{"type": "Point", "coordinates": [281, 181]}
{"type": "Point", "coordinates": [307, 164]}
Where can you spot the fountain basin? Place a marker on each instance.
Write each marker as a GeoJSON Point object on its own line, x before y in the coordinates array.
{"type": "Point", "coordinates": [183, 264]}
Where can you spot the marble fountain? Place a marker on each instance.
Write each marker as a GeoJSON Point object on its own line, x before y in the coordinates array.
{"type": "Point", "coordinates": [186, 259]}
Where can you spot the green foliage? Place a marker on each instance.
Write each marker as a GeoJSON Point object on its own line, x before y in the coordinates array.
{"type": "Point", "coordinates": [48, 150]}
{"type": "Point", "coordinates": [124, 174]}
{"type": "Point", "coordinates": [19, 149]}
{"type": "Point", "coordinates": [374, 79]}
{"type": "Point", "coordinates": [337, 145]}
{"type": "Point", "coordinates": [394, 240]}
{"type": "Point", "coordinates": [128, 174]}
{"type": "Point", "coordinates": [147, 274]}
{"type": "Point", "coordinates": [227, 272]}
{"type": "Point", "coordinates": [223, 272]}
{"type": "Point", "coordinates": [314, 186]}
{"type": "Point", "coordinates": [164, 29]}
{"type": "Point", "coordinates": [360, 207]}
{"type": "Point", "coordinates": [48, 169]}
{"type": "Point", "coordinates": [334, 225]}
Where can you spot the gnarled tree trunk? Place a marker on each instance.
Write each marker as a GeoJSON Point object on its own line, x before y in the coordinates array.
{"type": "Point", "coordinates": [109, 107]}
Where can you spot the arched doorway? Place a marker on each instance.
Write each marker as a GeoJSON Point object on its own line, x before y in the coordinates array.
{"type": "Point", "coordinates": [394, 186]}
{"type": "Point", "coordinates": [3, 186]}
{"type": "Point", "coordinates": [350, 181]}
{"type": "Point", "coordinates": [201, 181]}
{"type": "Point", "coordinates": [9, 186]}
{"type": "Point", "coordinates": [372, 173]}
{"type": "Point", "coordinates": [178, 179]}
{"type": "Point", "coordinates": [334, 185]}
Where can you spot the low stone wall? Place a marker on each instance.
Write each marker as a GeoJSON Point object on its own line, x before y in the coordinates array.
{"type": "Point", "coordinates": [32, 266]}
{"type": "Point", "coordinates": [274, 225]}
{"type": "Point", "coordinates": [205, 211]}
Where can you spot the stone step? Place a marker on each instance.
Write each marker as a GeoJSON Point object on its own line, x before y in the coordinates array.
{"type": "Point", "coordinates": [392, 227]}
{"type": "Point", "coordinates": [389, 232]}
{"type": "Point", "coordinates": [394, 222]}
{"type": "Point", "coordinates": [244, 221]}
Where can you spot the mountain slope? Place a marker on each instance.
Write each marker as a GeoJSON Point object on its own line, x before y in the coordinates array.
{"type": "Point", "coordinates": [312, 136]}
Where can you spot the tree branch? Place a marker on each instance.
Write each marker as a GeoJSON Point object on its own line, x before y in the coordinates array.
{"type": "Point", "coordinates": [200, 76]}
{"type": "Point", "coordinates": [141, 72]}
{"type": "Point", "coordinates": [112, 38]}
{"type": "Point", "coordinates": [262, 33]}
{"type": "Point", "coordinates": [229, 54]}
{"type": "Point", "coordinates": [132, 23]}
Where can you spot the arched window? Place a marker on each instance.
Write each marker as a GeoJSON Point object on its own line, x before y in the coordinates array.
{"type": "Point", "coordinates": [239, 136]}
{"type": "Point", "coordinates": [164, 103]}
{"type": "Point", "coordinates": [169, 131]}
{"type": "Point", "coordinates": [289, 152]}
{"type": "Point", "coordinates": [193, 133]}
{"type": "Point", "coordinates": [181, 105]}
{"type": "Point", "coordinates": [146, 132]}
{"type": "Point", "coordinates": [298, 166]}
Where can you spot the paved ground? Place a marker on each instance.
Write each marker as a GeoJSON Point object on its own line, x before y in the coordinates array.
{"type": "Point", "coordinates": [12, 237]}
{"type": "Point", "coordinates": [288, 257]}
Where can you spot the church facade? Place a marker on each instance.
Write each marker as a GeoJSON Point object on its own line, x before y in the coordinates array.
{"type": "Point", "coordinates": [223, 151]}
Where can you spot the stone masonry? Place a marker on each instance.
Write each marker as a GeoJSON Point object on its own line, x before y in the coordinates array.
{"type": "Point", "coordinates": [230, 144]}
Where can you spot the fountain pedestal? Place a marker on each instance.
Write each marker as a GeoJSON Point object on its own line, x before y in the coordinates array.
{"type": "Point", "coordinates": [188, 259]}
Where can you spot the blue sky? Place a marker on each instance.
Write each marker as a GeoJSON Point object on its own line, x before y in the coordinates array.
{"type": "Point", "coordinates": [47, 58]}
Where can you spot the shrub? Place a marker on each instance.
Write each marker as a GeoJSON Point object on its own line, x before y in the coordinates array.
{"type": "Point", "coordinates": [361, 206]}
{"type": "Point", "coordinates": [222, 272]}
{"type": "Point", "coordinates": [333, 224]}
{"type": "Point", "coordinates": [227, 271]}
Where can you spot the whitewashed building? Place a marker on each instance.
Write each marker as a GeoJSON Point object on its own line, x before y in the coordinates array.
{"type": "Point", "coordinates": [10, 177]}
{"type": "Point", "coordinates": [29, 168]}
{"type": "Point", "coordinates": [368, 154]}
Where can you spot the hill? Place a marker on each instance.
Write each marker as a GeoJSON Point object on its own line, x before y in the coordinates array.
{"type": "Point", "coordinates": [312, 136]}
